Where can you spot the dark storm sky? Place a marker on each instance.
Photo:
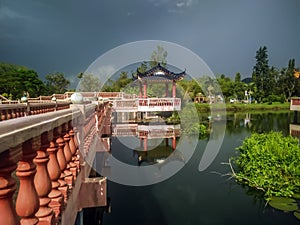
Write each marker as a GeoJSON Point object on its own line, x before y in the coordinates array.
{"type": "Point", "coordinates": [68, 35]}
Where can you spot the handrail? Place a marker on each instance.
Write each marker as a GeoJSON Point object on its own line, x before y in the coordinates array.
{"type": "Point", "coordinates": [43, 151]}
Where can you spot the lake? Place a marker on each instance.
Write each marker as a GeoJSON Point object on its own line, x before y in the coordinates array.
{"type": "Point", "coordinates": [194, 197]}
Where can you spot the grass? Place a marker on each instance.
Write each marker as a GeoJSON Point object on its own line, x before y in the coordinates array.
{"type": "Point", "coordinates": [205, 107]}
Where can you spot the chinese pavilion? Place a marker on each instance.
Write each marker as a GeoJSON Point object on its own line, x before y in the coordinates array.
{"type": "Point", "coordinates": [158, 74]}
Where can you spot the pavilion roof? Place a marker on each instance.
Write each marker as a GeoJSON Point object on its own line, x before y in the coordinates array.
{"type": "Point", "coordinates": [159, 73]}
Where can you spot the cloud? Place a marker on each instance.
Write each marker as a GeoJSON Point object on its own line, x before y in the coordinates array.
{"type": "Point", "coordinates": [7, 13]}
{"type": "Point", "coordinates": [180, 4]}
{"type": "Point", "coordinates": [174, 6]}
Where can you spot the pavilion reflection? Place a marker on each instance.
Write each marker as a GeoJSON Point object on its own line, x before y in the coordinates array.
{"type": "Point", "coordinates": [157, 142]}
{"type": "Point", "coordinates": [295, 126]}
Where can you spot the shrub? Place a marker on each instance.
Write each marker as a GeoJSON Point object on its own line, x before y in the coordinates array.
{"type": "Point", "coordinates": [270, 162]}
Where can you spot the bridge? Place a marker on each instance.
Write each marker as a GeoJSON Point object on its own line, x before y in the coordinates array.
{"type": "Point", "coordinates": [47, 147]}
{"type": "Point", "coordinates": [46, 152]}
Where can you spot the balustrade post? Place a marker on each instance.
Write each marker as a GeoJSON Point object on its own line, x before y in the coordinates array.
{"type": "Point", "coordinates": [54, 172]}
{"type": "Point", "coordinates": [63, 187]}
{"type": "Point", "coordinates": [73, 150]}
{"type": "Point", "coordinates": [77, 154]}
{"type": "Point", "coordinates": [68, 154]}
{"type": "Point", "coordinates": [42, 182]}
{"type": "Point", "coordinates": [27, 203]}
{"type": "Point", "coordinates": [8, 163]}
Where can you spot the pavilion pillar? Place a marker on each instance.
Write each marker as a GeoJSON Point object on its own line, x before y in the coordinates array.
{"type": "Point", "coordinates": [295, 120]}
{"type": "Point", "coordinates": [167, 142]}
{"type": "Point", "coordinates": [174, 143]}
{"type": "Point", "coordinates": [174, 89]}
{"type": "Point", "coordinates": [167, 90]}
{"type": "Point", "coordinates": [145, 89]}
{"type": "Point", "coordinates": [145, 144]}
{"type": "Point", "coordinates": [8, 163]}
{"type": "Point", "coordinates": [141, 91]}
{"type": "Point", "coordinates": [27, 203]}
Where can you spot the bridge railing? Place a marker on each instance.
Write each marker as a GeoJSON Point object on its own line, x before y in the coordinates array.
{"type": "Point", "coordinates": [47, 153]}
{"type": "Point", "coordinates": [295, 104]}
{"type": "Point", "coordinates": [34, 107]}
{"type": "Point", "coordinates": [159, 104]}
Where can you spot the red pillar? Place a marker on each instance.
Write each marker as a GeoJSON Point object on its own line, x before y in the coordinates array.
{"type": "Point", "coordinates": [145, 144]}
{"type": "Point", "coordinates": [167, 90]}
{"type": "Point", "coordinates": [174, 89]}
{"type": "Point", "coordinates": [145, 89]}
{"type": "Point", "coordinates": [174, 143]}
{"type": "Point", "coordinates": [141, 91]}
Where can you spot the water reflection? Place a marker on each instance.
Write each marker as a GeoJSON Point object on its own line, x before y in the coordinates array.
{"type": "Point", "coordinates": [206, 196]}
{"type": "Point", "coordinates": [259, 122]}
{"type": "Point", "coordinates": [150, 143]}
{"type": "Point", "coordinates": [295, 126]}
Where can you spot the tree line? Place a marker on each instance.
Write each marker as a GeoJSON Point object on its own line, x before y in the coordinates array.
{"type": "Point", "coordinates": [267, 83]}
{"type": "Point", "coordinates": [17, 81]}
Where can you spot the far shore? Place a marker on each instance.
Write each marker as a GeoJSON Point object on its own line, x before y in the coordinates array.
{"type": "Point", "coordinates": [241, 107]}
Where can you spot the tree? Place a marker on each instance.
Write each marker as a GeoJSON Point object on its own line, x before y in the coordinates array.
{"type": "Point", "coordinates": [260, 73]}
{"type": "Point", "coordinates": [89, 83]}
{"type": "Point", "coordinates": [56, 83]}
{"type": "Point", "coordinates": [16, 80]}
{"type": "Point", "coordinates": [119, 84]}
{"type": "Point", "coordinates": [237, 77]}
{"type": "Point", "coordinates": [159, 56]}
{"type": "Point", "coordinates": [287, 80]}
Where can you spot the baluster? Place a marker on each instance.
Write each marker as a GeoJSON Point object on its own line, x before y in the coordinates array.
{"type": "Point", "coordinates": [8, 163]}
{"type": "Point", "coordinates": [76, 157]}
{"type": "Point", "coordinates": [13, 113]}
{"type": "Point", "coordinates": [42, 182]}
{"type": "Point", "coordinates": [8, 115]}
{"type": "Point", "coordinates": [54, 172]}
{"type": "Point", "coordinates": [63, 187]}
{"type": "Point", "coordinates": [27, 203]}
{"type": "Point", "coordinates": [68, 154]}
{"type": "Point", "coordinates": [73, 150]}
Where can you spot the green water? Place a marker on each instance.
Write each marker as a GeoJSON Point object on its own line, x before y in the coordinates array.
{"type": "Point", "coordinates": [202, 198]}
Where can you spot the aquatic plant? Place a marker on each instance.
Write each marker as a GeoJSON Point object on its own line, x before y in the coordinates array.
{"type": "Point", "coordinates": [270, 162]}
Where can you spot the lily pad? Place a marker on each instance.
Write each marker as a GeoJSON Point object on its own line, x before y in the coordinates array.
{"type": "Point", "coordinates": [297, 214]}
{"type": "Point", "coordinates": [284, 204]}
{"type": "Point", "coordinates": [282, 200]}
